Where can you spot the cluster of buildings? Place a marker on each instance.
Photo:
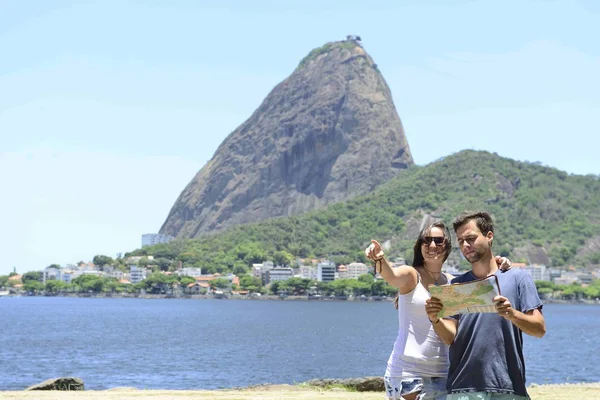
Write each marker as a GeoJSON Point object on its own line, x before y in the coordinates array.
{"type": "Point", "coordinates": [267, 272]}
{"type": "Point", "coordinates": [136, 273]}
{"type": "Point", "coordinates": [313, 269]}
{"type": "Point", "coordinates": [559, 276]}
{"type": "Point", "coordinates": [316, 270]}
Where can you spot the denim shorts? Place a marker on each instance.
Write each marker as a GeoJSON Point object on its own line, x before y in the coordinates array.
{"type": "Point", "coordinates": [431, 388]}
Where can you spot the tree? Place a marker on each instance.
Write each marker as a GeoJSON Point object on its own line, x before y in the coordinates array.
{"type": "Point", "coordinates": [101, 260]}
{"type": "Point", "coordinates": [250, 283]}
{"type": "Point", "coordinates": [97, 285]}
{"type": "Point", "coordinates": [136, 288]}
{"type": "Point", "coordinates": [544, 284]}
{"type": "Point", "coordinates": [54, 286]}
{"type": "Point", "coordinates": [3, 280]}
{"type": "Point", "coordinates": [592, 291]}
{"type": "Point", "coordinates": [340, 286]}
{"type": "Point", "coordinates": [163, 263]}
{"type": "Point", "coordinates": [31, 276]}
{"type": "Point", "coordinates": [87, 283]}
{"type": "Point", "coordinates": [186, 280]}
{"type": "Point", "coordinates": [361, 288]}
{"type": "Point", "coordinates": [297, 286]}
{"type": "Point", "coordinates": [112, 285]}
{"type": "Point", "coordinates": [188, 257]}
{"type": "Point", "coordinates": [219, 283]}
{"type": "Point", "coordinates": [250, 253]}
{"type": "Point", "coordinates": [276, 286]}
{"type": "Point", "coordinates": [324, 288]}
{"type": "Point", "coordinates": [239, 268]}
{"type": "Point", "coordinates": [378, 288]}
{"type": "Point", "coordinates": [33, 286]}
{"type": "Point", "coordinates": [155, 282]}
{"type": "Point", "coordinates": [573, 291]}
{"type": "Point", "coordinates": [283, 258]}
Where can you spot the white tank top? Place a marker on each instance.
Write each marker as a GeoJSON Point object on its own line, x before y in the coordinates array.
{"type": "Point", "coordinates": [418, 351]}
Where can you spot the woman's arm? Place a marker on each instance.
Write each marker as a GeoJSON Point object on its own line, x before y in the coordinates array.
{"type": "Point", "coordinates": [404, 278]}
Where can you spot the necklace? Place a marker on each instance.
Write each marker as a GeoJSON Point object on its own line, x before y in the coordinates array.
{"type": "Point", "coordinates": [436, 282]}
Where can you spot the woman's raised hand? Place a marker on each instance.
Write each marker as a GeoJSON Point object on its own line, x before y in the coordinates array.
{"type": "Point", "coordinates": [374, 251]}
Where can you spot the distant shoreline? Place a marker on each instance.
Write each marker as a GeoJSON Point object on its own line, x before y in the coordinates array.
{"type": "Point", "coordinates": [212, 297]}
{"type": "Point", "coordinates": [260, 298]}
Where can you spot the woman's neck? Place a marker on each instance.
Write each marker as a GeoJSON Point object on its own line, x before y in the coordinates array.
{"type": "Point", "coordinates": [433, 266]}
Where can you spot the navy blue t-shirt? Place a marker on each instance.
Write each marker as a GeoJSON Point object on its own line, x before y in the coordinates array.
{"type": "Point", "coordinates": [487, 353]}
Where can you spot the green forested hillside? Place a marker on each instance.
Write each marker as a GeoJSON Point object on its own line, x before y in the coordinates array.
{"type": "Point", "coordinates": [542, 215]}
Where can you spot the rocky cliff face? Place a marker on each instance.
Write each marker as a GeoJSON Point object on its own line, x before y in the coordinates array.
{"type": "Point", "coordinates": [328, 132]}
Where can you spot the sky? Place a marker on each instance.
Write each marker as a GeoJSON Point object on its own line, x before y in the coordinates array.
{"type": "Point", "coordinates": [109, 108]}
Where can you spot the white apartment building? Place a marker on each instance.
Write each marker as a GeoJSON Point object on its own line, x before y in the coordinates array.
{"type": "Point", "coordinates": [308, 272]}
{"type": "Point", "coordinates": [356, 269]}
{"type": "Point", "coordinates": [114, 273]}
{"type": "Point", "coordinates": [259, 269]}
{"type": "Point", "coordinates": [51, 273]}
{"type": "Point", "coordinates": [193, 272]}
{"type": "Point", "coordinates": [150, 239]}
{"type": "Point", "coordinates": [78, 273]}
{"type": "Point", "coordinates": [136, 274]}
{"type": "Point", "coordinates": [279, 274]}
{"type": "Point", "coordinates": [67, 276]}
{"type": "Point", "coordinates": [538, 272]}
{"type": "Point", "coordinates": [326, 271]}
{"type": "Point", "coordinates": [566, 278]}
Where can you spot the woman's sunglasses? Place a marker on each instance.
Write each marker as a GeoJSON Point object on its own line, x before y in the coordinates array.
{"type": "Point", "coordinates": [438, 240]}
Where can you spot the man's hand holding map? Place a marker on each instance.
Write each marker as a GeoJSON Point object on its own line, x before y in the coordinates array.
{"type": "Point", "coordinates": [465, 298]}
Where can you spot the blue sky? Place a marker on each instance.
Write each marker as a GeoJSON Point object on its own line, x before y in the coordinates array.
{"type": "Point", "coordinates": [109, 108]}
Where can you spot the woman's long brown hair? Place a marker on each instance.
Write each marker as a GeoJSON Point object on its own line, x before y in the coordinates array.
{"type": "Point", "coordinates": [418, 259]}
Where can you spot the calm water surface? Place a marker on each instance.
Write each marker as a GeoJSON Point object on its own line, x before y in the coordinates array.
{"type": "Point", "coordinates": [207, 344]}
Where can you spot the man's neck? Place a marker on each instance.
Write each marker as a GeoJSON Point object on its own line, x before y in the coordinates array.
{"type": "Point", "coordinates": [484, 267]}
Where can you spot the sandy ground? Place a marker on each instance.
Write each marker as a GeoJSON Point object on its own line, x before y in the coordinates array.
{"type": "Point", "coordinates": [281, 392]}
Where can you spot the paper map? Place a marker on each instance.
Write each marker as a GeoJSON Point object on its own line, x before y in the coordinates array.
{"type": "Point", "coordinates": [466, 298]}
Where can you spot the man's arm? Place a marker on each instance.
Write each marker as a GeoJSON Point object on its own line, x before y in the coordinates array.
{"type": "Point", "coordinates": [445, 328]}
{"type": "Point", "coordinates": [531, 322]}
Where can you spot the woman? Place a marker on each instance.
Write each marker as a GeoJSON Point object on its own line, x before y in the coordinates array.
{"type": "Point", "coordinates": [418, 365]}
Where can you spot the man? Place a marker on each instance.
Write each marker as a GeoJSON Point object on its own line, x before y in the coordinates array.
{"type": "Point", "coordinates": [486, 349]}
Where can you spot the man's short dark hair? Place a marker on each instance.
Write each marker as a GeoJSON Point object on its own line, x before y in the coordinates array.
{"type": "Point", "coordinates": [482, 219]}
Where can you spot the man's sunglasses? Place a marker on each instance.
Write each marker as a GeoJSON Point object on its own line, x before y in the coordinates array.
{"type": "Point", "coordinates": [438, 240]}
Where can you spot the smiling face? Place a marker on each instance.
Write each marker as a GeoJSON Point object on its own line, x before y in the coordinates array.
{"type": "Point", "coordinates": [434, 244]}
{"type": "Point", "coordinates": [473, 244]}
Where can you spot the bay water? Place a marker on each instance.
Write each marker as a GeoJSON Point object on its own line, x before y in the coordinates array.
{"type": "Point", "coordinates": [209, 344]}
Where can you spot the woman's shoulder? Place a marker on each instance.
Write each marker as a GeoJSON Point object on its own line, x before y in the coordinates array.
{"type": "Point", "coordinates": [410, 278]}
{"type": "Point", "coordinates": [404, 269]}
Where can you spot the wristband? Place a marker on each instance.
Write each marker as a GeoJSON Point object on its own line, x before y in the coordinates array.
{"type": "Point", "coordinates": [375, 265]}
